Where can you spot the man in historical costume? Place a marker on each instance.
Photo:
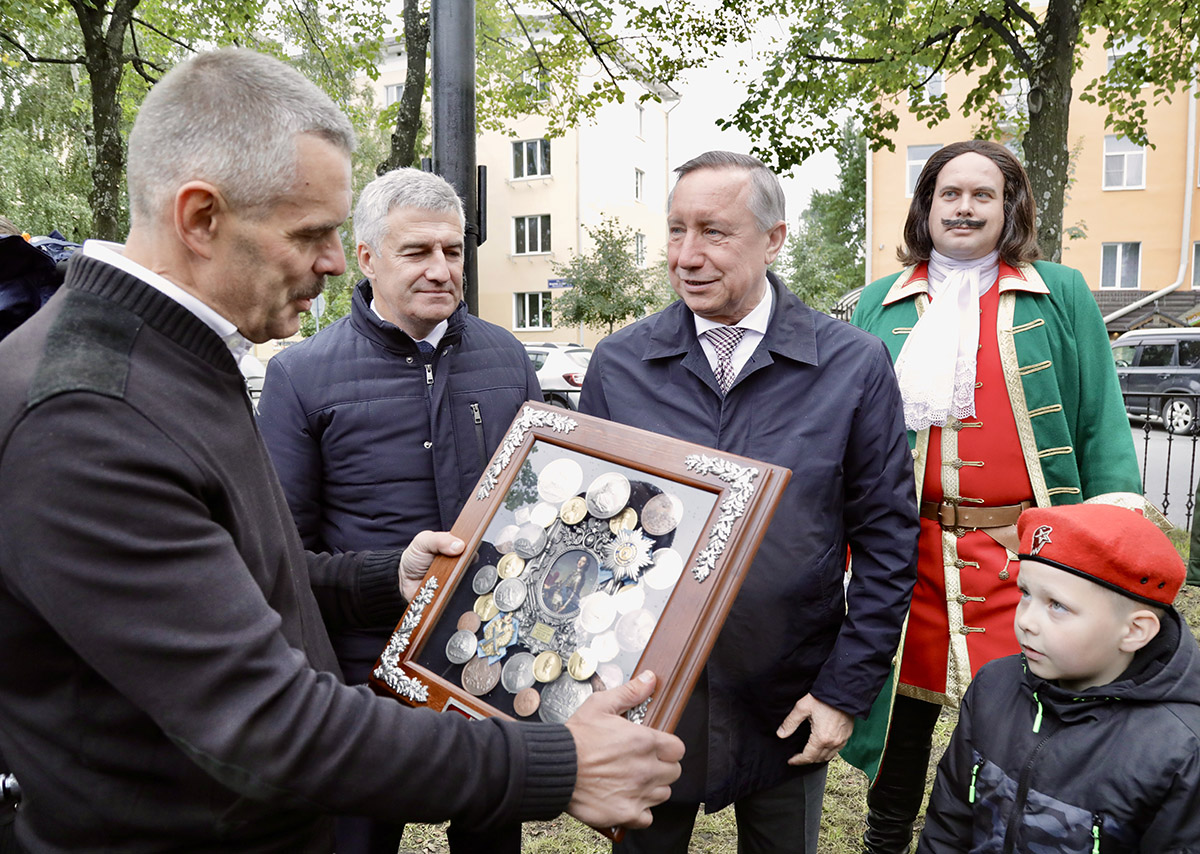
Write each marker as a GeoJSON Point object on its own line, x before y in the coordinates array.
{"type": "Point", "coordinates": [381, 424]}
{"type": "Point", "coordinates": [169, 683]}
{"type": "Point", "coordinates": [740, 364]}
{"type": "Point", "coordinates": [1011, 400]}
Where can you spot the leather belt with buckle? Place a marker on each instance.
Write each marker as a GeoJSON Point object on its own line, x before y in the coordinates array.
{"type": "Point", "coordinates": [957, 516]}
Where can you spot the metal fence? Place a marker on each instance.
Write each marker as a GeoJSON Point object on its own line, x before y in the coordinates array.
{"type": "Point", "coordinates": [1167, 457]}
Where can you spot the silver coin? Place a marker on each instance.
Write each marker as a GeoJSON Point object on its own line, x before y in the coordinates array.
{"type": "Point", "coordinates": [517, 674]}
{"type": "Point", "coordinates": [544, 514]}
{"type": "Point", "coordinates": [607, 495]}
{"type": "Point", "coordinates": [596, 612]}
{"type": "Point", "coordinates": [462, 647]}
{"type": "Point", "coordinates": [611, 675]}
{"type": "Point", "coordinates": [634, 630]}
{"type": "Point", "coordinates": [479, 677]}
{"type": "Point", "coordinates": [561, 698]}
{"type": "Point", "coordinates": [629, 598]}
{"type": "Point", "coordinates": [484, 580]}
{"type": "Point", "coordinates": [530, 540]}
{"type": "Point", "coordinates": [559, 480]}
{"type": "Point", "coordinates": [504, 540]}
{"type": "Point", "coordinates": [662, 514]}
{"type": "Point", "coordinates": [668, 566]}
{"type": "Point", "coordinates": [510, 593]}
{"type": "Point", "coordinates": [605, 647]}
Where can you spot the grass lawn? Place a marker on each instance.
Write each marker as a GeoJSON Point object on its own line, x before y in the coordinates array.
{"type": "Point", "coordinates": [842, 822]}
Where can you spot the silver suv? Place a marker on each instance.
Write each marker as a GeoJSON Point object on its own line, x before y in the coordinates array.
{"type": "Point", "coordinates": [560, 370]}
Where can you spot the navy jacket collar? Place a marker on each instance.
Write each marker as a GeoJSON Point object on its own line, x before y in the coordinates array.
{"type": "Point", "coordinates": [390, 336]}
{"type": "Point", "coordinates": [791, 332]}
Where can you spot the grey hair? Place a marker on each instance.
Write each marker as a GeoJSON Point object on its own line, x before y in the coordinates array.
{"type": "Point", "coordinates": [229, 117]}
{"type": "Point", "coordinates": [766, 194]}
{"type": "Point", "coordinates": [402, 188]}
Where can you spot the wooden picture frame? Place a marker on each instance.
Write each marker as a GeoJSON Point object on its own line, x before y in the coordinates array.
{"type": "Point", "coordinates": [594, 551]}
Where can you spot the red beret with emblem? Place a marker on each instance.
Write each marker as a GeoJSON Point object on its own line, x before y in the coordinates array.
{"type": "Point", "coordinates": [1113, 546]}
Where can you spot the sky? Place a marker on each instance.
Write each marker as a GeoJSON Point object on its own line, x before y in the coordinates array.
{"type": "Point", "coordinates": [714, 92]}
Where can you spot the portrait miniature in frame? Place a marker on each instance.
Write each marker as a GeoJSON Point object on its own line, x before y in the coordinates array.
{"type": "Point", "coordinates": [594, 551]}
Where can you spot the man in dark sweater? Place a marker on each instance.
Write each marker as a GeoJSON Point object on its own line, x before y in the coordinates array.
{"type": "Point", "coordinates": [381, 424]}
{"type": "Point", "coordinates": [169, 682]}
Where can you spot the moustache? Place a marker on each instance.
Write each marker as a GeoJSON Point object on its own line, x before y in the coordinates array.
{"type": "Point", "coordinates": [964, 223]}
{"type": "Point", "coordinates": [308, 293]}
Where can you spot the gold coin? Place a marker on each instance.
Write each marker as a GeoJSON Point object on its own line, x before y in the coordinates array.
{"type": "Point", "coordinates": [510, 566]}
{"type": "Point", "coordinates": [581, 666]}
{"type": "Point", "coordinates": [547, 666]}
{"type": "Point", "coordinates": [573, 510]}
{"type": "Point", "coordinates": [626, 520]}
{"type": "Point", "coordinates": [485, 607]}
{"type": "Point", "coordinates": [469, 622]}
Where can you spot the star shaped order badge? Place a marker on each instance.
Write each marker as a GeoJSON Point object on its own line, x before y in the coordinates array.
{"type": "Point", "coordinates": [627, 555]}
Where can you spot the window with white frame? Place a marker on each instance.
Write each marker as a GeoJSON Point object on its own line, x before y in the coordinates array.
{"type": "Point", "coordinates": [932, 81]}
{"type": "Point", "coordinates": [392, 93]}
{"type": "Point", "coordinates": [532, 310]}
{"type": "Point", "coordinates": [1122, 47]}
{"type": "Point", "coordinates": [917, 155]}
{"type": "Point", "coordinates": [639, 249]}
{"type": "Point", "coordinates": [1196, 266]}
{"type": "Point", "coordinates": [639, 183]}
{"type": "Point", "coordinates": [1124, 164]}
{"type": "Point", "coordinates": [641, 120]}
{"type": "Point", "coordinates": [531, 234]}
{"type": "Point", "coordinates": [531, 158]}
{"type": "Point", "coordinates": [538, 82]}
{"type": "Point", "coordinates": [1120, 265]}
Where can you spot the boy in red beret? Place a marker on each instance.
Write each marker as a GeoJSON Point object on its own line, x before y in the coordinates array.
{"type": "Point", "coordinates": [1089, 740]}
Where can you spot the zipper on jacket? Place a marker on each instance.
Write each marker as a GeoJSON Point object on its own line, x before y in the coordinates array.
{"type": "Point", "coordinates": [479, 440]}
{"type": "Point", "coordinates": [1014, 821]}
{"type": "Point", "coordinates": [1037, 719]}
{"type": "Point", "coordinates": [428, 374]}
{"type": "Point", "coordinates": [974, 775]}
{"type": "Point", "coordinates": [1097, 825]}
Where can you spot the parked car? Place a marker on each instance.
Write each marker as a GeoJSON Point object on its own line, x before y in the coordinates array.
{"type": "Point", "coordinates": [560, 371]}
{"type": "Point", "coordinates": [1159, 361]}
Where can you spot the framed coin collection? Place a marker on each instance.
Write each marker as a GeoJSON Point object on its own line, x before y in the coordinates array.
{"type": "Point", "coordinates": [594, 551]}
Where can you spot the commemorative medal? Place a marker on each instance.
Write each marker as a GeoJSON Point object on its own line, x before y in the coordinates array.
{"type": "Point", "coordinates": [479, 677]}
{"type": "Point", "coordinates": [547, 666]}
{"type": "Point", "coordinates": [662, 514]}
{"type": "Point", "coordinates": [607, 495]}
{"type": "Point", "coordinates": [517, 674]}
{"type": "Point", "coordinates": [559, 480]}
{"type": "Point", "coordinates": [510, 594]}
{"type": "Point", "coordinates": [573, 511]}
{"type": "Point", "coordinates": [461, 647]}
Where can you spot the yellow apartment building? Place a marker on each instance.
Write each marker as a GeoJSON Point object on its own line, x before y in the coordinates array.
{"type": "Point", "coordinates": [542, 193]}
{"type": "Point", "coordinates": [1134, 206]}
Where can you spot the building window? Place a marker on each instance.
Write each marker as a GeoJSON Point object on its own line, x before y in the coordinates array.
{"type": "Point", "coordinates": [1196, 266]}
{"type": "Point", "coordinates": [532, 311]}
{"type": "Point", "coordinates": [917, 155]}
{"type": "Point", "coordinates": [531, 234]}
{"type": "Point", "coordinates": [641, 120]}
{"type": "Point", "coordinates": [1122, 47]}
{"type": "Point", "coordinates": [932, 82]}
{"type": "Point", "coordinates": [392, 93]}
{"type": "Point", "coordinates": [538, 83]}
{"type": "Point", "coordinates": [531, 158]}
{"type": "Point", "coordinates": [639, 183]}
{"type": "Point", "coordinates": [1120, 265]}
{"type": "Point", "coordinates": [1124, 164]}
{"type": "Point", "coordinates": [639, 249]}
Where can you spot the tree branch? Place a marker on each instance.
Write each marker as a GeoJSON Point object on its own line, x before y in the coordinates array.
{"type": "Point", "coordinates": [313, 39]}
{"type": "Point", "coordinates": [172, 39]}
{"type": "Point", "coordinates": [1014, 44]}
{"type": "Point", "coordinates": [1022, 13]}
{"type": "Point", "coordinates": [592, 44]}
{"type": "Point", "coordinates": [79, 60]}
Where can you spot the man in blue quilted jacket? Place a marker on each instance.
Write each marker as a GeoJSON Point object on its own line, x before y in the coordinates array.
{"type": "Point", "coordinates": [380, 425]}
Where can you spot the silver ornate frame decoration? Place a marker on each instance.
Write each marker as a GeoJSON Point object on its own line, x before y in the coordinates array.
{"type": "Point", "coordinates": [530, 418]}
{"type": "Point", "coordinates": [741, 479]}
{"type": "Point", "coordinates": [638, 713]}
{"type": "Point", "coordinates": [406, 686]}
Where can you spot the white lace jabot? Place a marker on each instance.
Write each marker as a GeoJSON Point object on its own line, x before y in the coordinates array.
{"type": "Point", "coordinates": [936, 366]}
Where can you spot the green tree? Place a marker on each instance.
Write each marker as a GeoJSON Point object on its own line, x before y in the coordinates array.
{"type": "Point", "coordinates": [869, 55]}
{"type": "Point", "coordinates": [825, 256]}
{"type": "Point", "coordinates": [608, 286]}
